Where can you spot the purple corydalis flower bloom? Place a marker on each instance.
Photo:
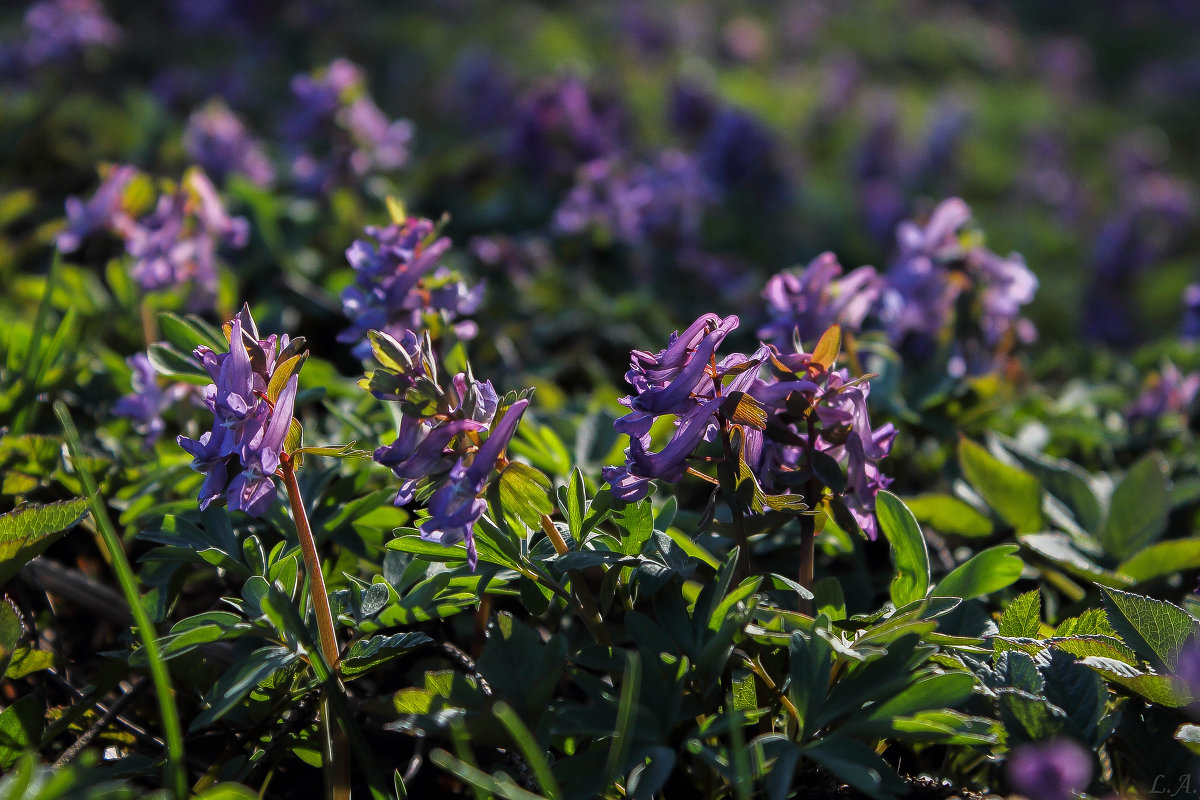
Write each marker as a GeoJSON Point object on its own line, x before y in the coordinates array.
{"type": "Point", "coordinates": [808, 301]}
{"type": "Point", "coordinates": [1168, 392]}
{"type": "Point", "coordinates": [218, 141]}
{"type": "Point", "coordinates": [97, 214]}
{"type": "Point", "coordinates": [1190, 328]}
{"type": "Point", "coordinates": [249, 430]}
{"type": "Point", "coordinates": [1053, 770]}
{"type": "Point", "coordinates": [393, 286]}
{"type": "Point", "coordinates": [59, 28]}
{"type": "Point", "coordinates": [560, 126]}
{"type": "Point", "coordinates": [456, 506]}
{"type": "Point", "coordinates": [738, 154]}
{"type": "Point", "coordinates": [145, 405]}
{"type": "Point", "coordinates": [659, 203]}
{"type": "Point", "coordinates": [335, 131]}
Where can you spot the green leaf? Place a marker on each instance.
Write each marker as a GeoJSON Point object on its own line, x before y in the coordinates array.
{"type": "Point", "coordinates": [531, 751]}
{"type": "Point", "coordinates": [11, 629]}
{"type": "Point", "coordinates": [828, 598]}
{"type": "Point", "coordinates": [26, 662]}
{"type": "Point", "coordinates": [574, 505]}
{"type": "Point", "coordinates": [909, 554]}
{"type": "Point", "coordinates": [810, 662]}
{"type": "Point", "coordinates": [1058, 548]}
{"type": "Point", "coordinates": [1023, 617]}
{"type": "Point", "coordinates": [1078, 691]}
{"type": "Point", "coordinates": [1065, 480]}
{"type": "Point", "coordinates": [30, 529]}
{"type": "Point", "coordinates": [21, 727]}
{"type": "Point", "coordinates": [366, 654]}
{"type": "Point", "coordinates": [989, 571]}
{"type": "Point", "coordinates": [950, 515]}
{"type": "Point", "coordinates": [937, 691]}
{"type": "Point", "coordinates": [239, 680]}
{"type": "Point", "coordinates": [1161, 689]}
{"type": "Point", "coordinates": [1014, 494]}
{"type": "Point", "coordinates": [283, 373]}
{"type": "Point", "coordinates": [174, 364]}
{"type": "Point", "coordinates": [187, 332]}
{"type": "Point", "coordinates": [637, 523]}
{"type": "Point", "coordinates": [1162, 558]}
{"type": "Point", "coordinates": [1155, 629]}
{"type": "Point", "coordinates": [858, 765]}
{"type": "Point", "coordinates": [1138, 512]}
{"type": "Point", "coordinates": [525, 493]}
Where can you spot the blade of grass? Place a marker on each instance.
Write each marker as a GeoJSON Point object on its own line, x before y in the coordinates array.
{"type": "Point", "coordinates": [626, 709]}
{"type": "Point", "coordinates": [175, 771]}
{"type": "Point", "coordinates": [25, 416]}
{"type": "Point", "coordinates": [483, 784]}
{"type": "Point", "coordinates": [529, 748]}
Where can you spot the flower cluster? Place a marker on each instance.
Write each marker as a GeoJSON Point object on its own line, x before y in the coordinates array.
{"type": "Point", "coordinates": [56, 29]}
{"type": "Point", "coordinates": [658, 203]}
{"type": "Point", "coordinates": [1166, 392]}
{"type": "Point", "coordinates": [217, 140]}
{"type": "Point", "coordinates": [146, 404]}
{"type": "Point", "coordinates": [792, 415]}
{"type": "Point", "coordinates": [398, 281]}
{"type": "Point", "coordinates": [335, 131]}
{"type": "Point", "coordinates": [937, 272]}
{"type": "Point", "coordinates": [174, 244]}
{"type": "Point", "coordinates": [252, 398]}
{"type": "Point", "coordinates": [806, 302]}
{"type": "Point", "coordinates": [449, 440]}
{"type": "Point", "coordinates": [560, 126]}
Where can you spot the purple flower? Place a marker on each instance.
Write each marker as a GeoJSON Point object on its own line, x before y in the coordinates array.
{"type": "Point", "coordinates": [662, 203]}
{"type": "Point", "coordinates": [808, 301]}
{"type": "Point", "coordinates": [456, 506]}
{"type": "Point", "coordinates": [398, 281]}
{"type": "Point", "coordinates": [934, 268]}
{"type": "Point", "coordinates": [56, 29]}
{"type": "Point", "coordinates": [738, 154]}
{"type": "Point", "coordinates": [802, 409]}
{"type": "Point", "coordinates": [336, 132]}
{"type": "Point", "coordinates": [249, 430]}
{"type": "Point", "coordinates": [1188, 667]}
{"type": "Point", "coordinates": [1053, 770]}
{"type": "Point", "coordinates": [173, 245]}
{"type": "Point", "coordinates": [1190, 329]}
{"type": "Point", "coordinates": [1167, 392]}
{"type": "Point", "coordinates": [97, 214]}
{"type": "Point", "coordinates": [146, 404]}
{"type": "Point", "coordinates": [217, 140]}
{"type": "Point", "coordinates": [560, 125]}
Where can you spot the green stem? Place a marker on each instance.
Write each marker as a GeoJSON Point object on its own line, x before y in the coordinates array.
{"type": "Point", "coordinates": [589, 612]}
{"type": "Point", "coordinates": [337, 745]}
{"type": "Point", "coordinates": [175, 771]}
{"type": "Point", "coordinates": [745, 565]}
{"type": "Point", "coordinates": [808, 523]}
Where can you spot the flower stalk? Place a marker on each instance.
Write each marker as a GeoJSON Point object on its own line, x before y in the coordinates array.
{"type": "Point", "coordinates": [589, 612]}
{"type": "Point", "coordinates": [337, 746]}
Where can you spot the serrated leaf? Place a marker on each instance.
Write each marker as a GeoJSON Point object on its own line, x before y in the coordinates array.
{"type": "Point", "coordinates": [11, 629]}
{"type": "Point", "coordinates": [1014, 494]}
{"type": "Point", "coordinates": [1023, 617]}
{"type": "Point", "coordinates": [1161, 689]}
{"type": "Point", "coordinates": [29, 530]}
{"type": "Point", "coordinates": [1155, 629]}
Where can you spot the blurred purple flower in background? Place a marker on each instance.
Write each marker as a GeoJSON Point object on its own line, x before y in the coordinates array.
{"type": "Point", "coordinates": [561, 125]}
{"type": "Point", "coordinates": [398, 281]}
{"type": "Point", "coordinates": [174, 245]}
{"type": "Point", "coordinates": [1057, 769]}
{"type": "Point", "coordinates": [56, 29]}
{"type": "Point", "coordinates": [1190, 329]}
{"type": "Point", "coordinates": [217, 140]}
{"type": "Point", "coordinates": [661, 203]}
{"type": "Point", "coordinates": [1166, 392]}
{"type": "Point", "coordinates": [249, 428]}
{"type": "Point", "coordinates": [811, 299]}
{"type": "Point", "coordinates": [146, 404]}
{"type": "Point", "coordinates": [335, 131]}
{"type": "Point", "coordinates": [739, 155]}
